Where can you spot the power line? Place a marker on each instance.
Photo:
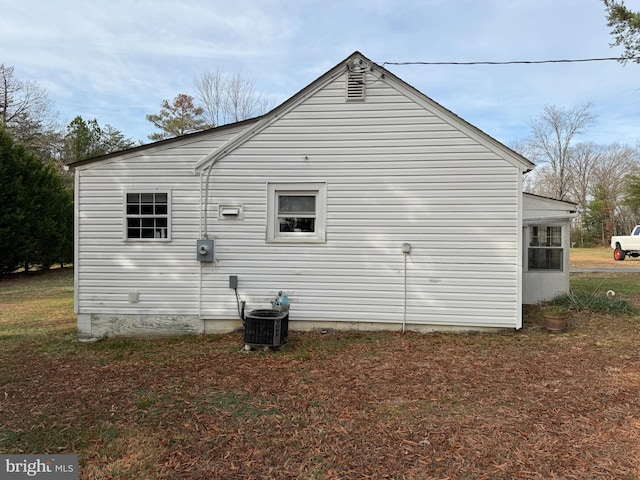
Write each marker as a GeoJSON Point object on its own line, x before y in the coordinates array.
{"type": "Point", "coordinates": [518, 62]}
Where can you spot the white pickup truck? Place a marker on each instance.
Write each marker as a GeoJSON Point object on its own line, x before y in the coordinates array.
{"type": "Point", "coordinates": [624, 245]}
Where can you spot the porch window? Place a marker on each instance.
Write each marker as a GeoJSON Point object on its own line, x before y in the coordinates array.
{"type": "Point", "coordinates": [147, 216]}
{"type": "Point", "coordinates": [296, 212]}
{"type": "Point", "coordinates": [545, 248]}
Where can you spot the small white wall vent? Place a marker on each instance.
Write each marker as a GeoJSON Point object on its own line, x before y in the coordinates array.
{"type": "Point", "coordinates": [230, 211]}
{"type": "Point", "coordinates": [356, 73]}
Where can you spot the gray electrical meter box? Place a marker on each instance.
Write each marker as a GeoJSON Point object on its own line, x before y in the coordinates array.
{"type": "Point", "coordinates": [205, 250]}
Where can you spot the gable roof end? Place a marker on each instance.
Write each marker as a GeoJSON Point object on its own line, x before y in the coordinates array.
{"type": "Point", "coordinates": [499, 148]}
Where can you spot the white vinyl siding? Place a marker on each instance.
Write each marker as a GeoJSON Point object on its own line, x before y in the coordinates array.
{"type": "Point", "coordinates": [397, 169]}
{"type": "Point", "coordinates": [165, 274]}
{"type": "Point", "coordinates": [397, 172]}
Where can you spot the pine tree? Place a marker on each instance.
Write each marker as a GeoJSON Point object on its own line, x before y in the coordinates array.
{"type": "Point", "coordinates": [178, 118]}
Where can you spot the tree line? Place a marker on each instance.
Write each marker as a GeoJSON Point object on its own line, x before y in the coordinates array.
{"type": "Point", "coordinates": [36, 198]}
{"type": "Point", "coordinates": [36, 189]}
{"type": "Point", "coordinates": [27, 113]}
{"type": "Point", "coordinates": [603, 180]}
{"type": "Point", "coordinates": [219, 100]}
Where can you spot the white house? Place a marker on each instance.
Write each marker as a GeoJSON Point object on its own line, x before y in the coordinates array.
{"type": "Point", "coordinates": [369, 204]}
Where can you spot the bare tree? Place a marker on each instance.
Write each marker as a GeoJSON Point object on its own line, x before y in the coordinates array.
{"type": "Point", "coordinates": [584, 158]}
{"type": "Point", "coordinates": [616, 162]}
{"type": "Point", "coordinates": [540, 181]}
{"type": "Point", "coordinates": [552, 134]}
{"type": "Point", "coordinates": [242, 99]}
{"type": "Point", "coordinates": [210, 87]}
{"type": "Point", "coordinates": [26, 112]}
{"type": "Point", "coordinates": [529, 180]}
{"type": "Point", "coordinates": [228, 99]}
{"type": "Point", "coordinates": [611, 173]}
{"type": "Point", "coordinates": [607, 209]}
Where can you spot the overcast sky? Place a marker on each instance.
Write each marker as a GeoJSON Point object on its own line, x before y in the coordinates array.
{"type": "Point", "coordinates": [116, 60]}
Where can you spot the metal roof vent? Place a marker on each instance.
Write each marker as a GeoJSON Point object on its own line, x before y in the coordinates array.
{"type": "Point", "coordinates": [356, 70]}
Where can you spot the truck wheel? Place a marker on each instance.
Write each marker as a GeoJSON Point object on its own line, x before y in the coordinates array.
{"type": "Point", "coordinates": [618, 253]}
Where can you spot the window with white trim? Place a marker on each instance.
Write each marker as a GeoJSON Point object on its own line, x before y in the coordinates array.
{"type": "Point", "coordinates": [296, 212]}
{"type": "Point", "coordinates": [147, 216]}
{"type": "Point", "coordinates": [545, 247]}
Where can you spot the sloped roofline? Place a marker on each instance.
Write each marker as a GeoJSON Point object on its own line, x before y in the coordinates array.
{"type": "Point", "coordinates": [274, 114]}
{"type": "Point", "coordinates": [551, 200]}
{"type": "Point", "coordinates": [161, 143]}
{"type": "Point", "coordinates": [261, 122]}
{"type": "Point", "coordinates": [339, 69]}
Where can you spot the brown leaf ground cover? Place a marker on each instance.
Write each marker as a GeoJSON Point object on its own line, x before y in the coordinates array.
{"type": "Point", "coordinates": [355, 405]}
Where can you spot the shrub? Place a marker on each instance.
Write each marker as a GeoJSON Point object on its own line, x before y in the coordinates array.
{"type": "Point", "coordinates": [594, 302]}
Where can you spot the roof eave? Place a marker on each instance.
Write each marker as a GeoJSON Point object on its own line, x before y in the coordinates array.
{"type": "Point", "coordinates": [160, 143]}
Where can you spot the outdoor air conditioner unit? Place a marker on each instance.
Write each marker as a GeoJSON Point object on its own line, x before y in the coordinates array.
{"type": "Point", "coordinates": [266, 327]}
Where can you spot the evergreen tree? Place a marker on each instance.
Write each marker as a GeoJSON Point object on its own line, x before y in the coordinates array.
{"type": "Point", "coordinates": [632, 193]}
{"type": "Point", "coordinates": [13, 215]}
{"type": "Point", "coordinates": [85, 139]}
{"type": "Point", "coordinates": [36, 218]}
{"type": "Point", "coordinates": [599, 220]}
{"type": "Point", "coordinates": [178, 118]}
{"type": "Point", "coordinates": [626, 29]}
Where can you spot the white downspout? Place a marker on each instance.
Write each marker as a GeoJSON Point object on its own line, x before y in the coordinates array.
{"type": "Point", "coordinates": [204, 225]}
{"type": "Point", "coordinates": [204, 208]}
{"type": "Point", "coordinates": [200, 269]}
{"type": "Point", "coordinates": [406, 250]}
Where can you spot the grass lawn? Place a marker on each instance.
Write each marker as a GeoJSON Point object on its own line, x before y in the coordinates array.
{"type": "Point", "coordinates": [599, 257]}
{"type": "Point", "coordinates": [526, 404]}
